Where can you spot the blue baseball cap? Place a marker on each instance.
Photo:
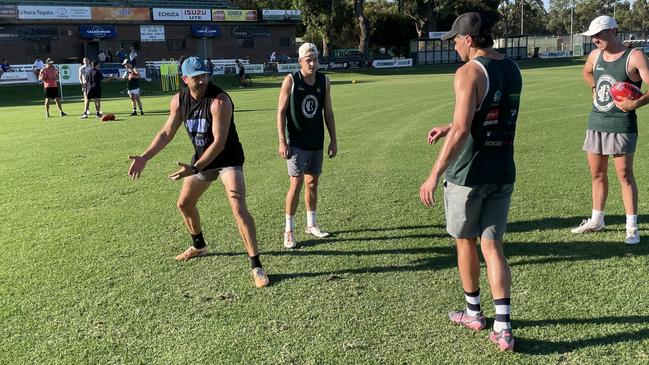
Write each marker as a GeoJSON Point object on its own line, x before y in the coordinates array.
{"type": "Point", "coordinates": [194, 66]}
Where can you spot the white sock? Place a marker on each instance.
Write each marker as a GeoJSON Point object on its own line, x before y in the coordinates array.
{"type": "Point", "coordinates": [632, 221]}
{"type": "Point", "coordinates": [472, 303]}
{"type": "Point", "coordinates": [597, 216]}
{"type": "Point", "coordinates": [503, 310]}
{"type": "Point", "coordinates": [310, 218]}
{"type": "Point", "coordinates": [290, 223]}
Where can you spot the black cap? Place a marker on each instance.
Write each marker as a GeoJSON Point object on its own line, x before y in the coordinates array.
{"type": "Point", "coordinates": [472, 23]}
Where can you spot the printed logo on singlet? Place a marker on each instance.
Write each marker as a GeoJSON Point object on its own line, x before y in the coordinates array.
{"type": "Point", "coordinates": [197, 127]}
{"type": "Point", "coordinates": [602, 99]}
{"type": "Point", "coordinates": [309, 106]}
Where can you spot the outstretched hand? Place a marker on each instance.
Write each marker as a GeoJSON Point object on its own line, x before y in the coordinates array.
{"type": "Point", "coordinates": [138, 164]}
{"type": "Point", "coordinates": [184, 171]}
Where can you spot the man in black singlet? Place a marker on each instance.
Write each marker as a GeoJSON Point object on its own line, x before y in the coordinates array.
{"type": "Point", "coordinates": [133, 86]}
{"type": "Point", "coordinates": [478, 161]}
{"type": "Point", "coordinates": [206, 111]}
{"type": "Point", "coordinates": [304, 108]}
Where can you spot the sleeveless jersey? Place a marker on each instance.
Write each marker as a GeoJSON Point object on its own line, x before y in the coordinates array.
{"type": "Point", "coordinates": [197, 118]}
{"type": "Point", "coordinates": [487, 156]}
{"type": "Point", "coordinates": [133, 83]}
{"type": "Point", "coordinates": [304, 119]}
{"type": "Point", "coordinates": [605, 116]}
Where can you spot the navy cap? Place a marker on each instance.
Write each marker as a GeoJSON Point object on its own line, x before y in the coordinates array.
{"type": "Point", "coordinates": [194, 66]}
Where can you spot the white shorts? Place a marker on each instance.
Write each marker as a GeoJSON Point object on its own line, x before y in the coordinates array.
{"type": "Point", "coordinates": [134, 92]}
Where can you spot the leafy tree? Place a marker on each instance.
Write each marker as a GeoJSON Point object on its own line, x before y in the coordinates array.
{"type": "Point", "coordinates": [510, 23]}
{"type": "Point", "coordinates": [390, 29]}
{"type": "Point", "coordinates": [263, 4]}
{"type": "Point", "coordinates": [363, 26]}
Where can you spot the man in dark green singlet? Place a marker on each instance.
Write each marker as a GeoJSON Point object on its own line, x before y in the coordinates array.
{"type": "Point", "coordinates": [304, 108]}
{"type": "Point", "coordinates": [478, 158]}
{"type": "Point", "coordinates": [207, 113]}
{"type": "Point", "coordinates": [612, 126]}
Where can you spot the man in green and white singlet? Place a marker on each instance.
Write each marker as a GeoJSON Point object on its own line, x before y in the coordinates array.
{"type": "Point", "coordinates": [612, 126]}
{"type": "Point", "coordinates": [478, 161]}
{"type": "Point", "coordinates": [304, 108]}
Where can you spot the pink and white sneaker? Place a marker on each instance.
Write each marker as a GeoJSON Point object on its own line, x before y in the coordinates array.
{"type": "Point", "coordinates": [504, 339]}
{"type": "Point", "coordinates": [475, 323]}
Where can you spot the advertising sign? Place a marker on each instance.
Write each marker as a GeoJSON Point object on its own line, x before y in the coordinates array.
{"type": "Point", "coordinates": [28, 32]}
{"type": "Point", "coordinates": [182, 14]}
{"type": "Point", "coordinates": [401, 62]}
{"type": "Point", "coordinates": [206, 31]}
{"type": "Point", "coordinates": [234, 15]}
{"type": "Point", "coordinates": [281, 15]}
{"type": "Point", "coordinates": [219, 70]}
{"type": "Point", "coordinates": [8, 12]}
{"type": "Point", "coordinates": [53, 12]}
{"type": "Point", "coordinates": [152, 33]}
{"type": "Point", "coordinates": [97, 31]}
{"type": "Point", "coordinates": [121, 14]}
{"type": "Point", "coordinates": [288, 67]}
{"type": "Point", "coordinates": [254, 69]}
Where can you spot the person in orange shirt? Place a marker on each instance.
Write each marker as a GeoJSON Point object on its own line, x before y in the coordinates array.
{"type": "Point", "coordinates": [50, 76]}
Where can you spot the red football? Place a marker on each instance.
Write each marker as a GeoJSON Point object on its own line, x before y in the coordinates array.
{"type": "Point", "coordinates": [625, 90]}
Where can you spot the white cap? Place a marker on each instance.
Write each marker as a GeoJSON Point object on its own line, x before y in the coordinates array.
{"type": "Point", "coordinates": [599, 24]}
{"type": "Point", "coordinates": [307, 49]}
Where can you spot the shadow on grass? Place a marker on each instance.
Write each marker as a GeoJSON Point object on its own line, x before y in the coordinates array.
{"type": "Point", "coordinates": [564, 223]}
{"type": "Point", "coordinates": [545, 347]}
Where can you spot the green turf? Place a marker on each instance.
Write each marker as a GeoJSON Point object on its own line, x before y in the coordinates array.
{"type": "Point", "coordinates": [88, 275]}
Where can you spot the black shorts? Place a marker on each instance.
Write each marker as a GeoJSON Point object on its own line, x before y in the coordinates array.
{"type": "Point", "coordinates": [94, 93]}
{"type": "Point", "coordinates": [52, 92]}
{"type": "Point", "coordinates": [241, 73]}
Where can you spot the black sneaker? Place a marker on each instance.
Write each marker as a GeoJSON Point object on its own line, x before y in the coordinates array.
{"type": "Point", "coordinates": [63, 114]}
{"type": "Point", "coordinates": [141, 112]}
{"type": "Point", "coordinates": [134, 113]}
{"type": "Point", "coordinates": [98, 115]}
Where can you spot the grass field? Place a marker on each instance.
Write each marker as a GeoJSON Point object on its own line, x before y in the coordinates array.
{"type": "Point", "coordinates": [88, 275]}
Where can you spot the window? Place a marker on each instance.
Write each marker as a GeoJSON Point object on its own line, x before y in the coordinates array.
{"type": "Point", "coordinates": [176, 44]}
{"type": "Point", "coordinates": [39, 48]}
{"type": "Point", "coordinates": [245, 43]}
{"type": "Point", "coordinates": [127, 45]}
{"type": "Point", "coordinates": [284, 42]}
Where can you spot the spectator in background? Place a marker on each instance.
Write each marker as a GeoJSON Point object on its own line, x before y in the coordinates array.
{"type": "Point", "coordinates": [121, 55]}
{"type": "Point", "coordinates": [109, 55]}
{"type": "Point", "coordinates": [210, 67]}
{"type": "Point", "coordinates": [132, 57]}
{"type": "Point", "coordinates": [50, 77]}
{"type": "Point", "coordinates": [38, 66]}
{"type": "Point", "coordinates": [273, 57]}
{"type": "Point", "coordinates": [241, 73]}
{"type": "Point", "coordinates": [5, 67]}
{"type": "Point", "coordinates": [101, 56]}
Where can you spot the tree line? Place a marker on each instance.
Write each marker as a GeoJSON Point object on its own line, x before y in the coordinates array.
{"type": "Point", "coordinates": [377, 25]}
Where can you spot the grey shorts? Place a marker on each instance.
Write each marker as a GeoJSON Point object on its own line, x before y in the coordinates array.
{"type": "Point", "coordinates": [604, 143]}
{"type": "Point", "coordinates": [479, 211]}
{"type": "Point", "coordinates": [304, 162]}
{"type": "Point", "coordinates": [211, 175]}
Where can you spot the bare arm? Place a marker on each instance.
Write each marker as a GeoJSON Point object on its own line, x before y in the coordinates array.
{"type": "Point", "coordinates": [282, 109]}
{"type": "Point", "coordinates": [587, 71]}
{"type": "Point", "coordinates": [160, 141]}
{"type": "Point", "coordinates": [638, 69]}
{"type": "Point", "coordinates": [221, 110]}
{"type": "Point", "coordinates": [330, 122]}
{"type": "Point", "coordinates": [466, 89]}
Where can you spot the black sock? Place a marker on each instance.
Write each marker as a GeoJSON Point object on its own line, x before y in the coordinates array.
{"type": "Point", "coordinates": [198, 241]}
{"type": "Point", "coordinates": [254, 262]}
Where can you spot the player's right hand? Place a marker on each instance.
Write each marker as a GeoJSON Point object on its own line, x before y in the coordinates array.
{"type": "Point", "coordinates": [283, 150]}
{"type": "Point", "coordinates": [436, 134]}
{"type": "Point", "coordinates": [138, 164]}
